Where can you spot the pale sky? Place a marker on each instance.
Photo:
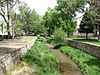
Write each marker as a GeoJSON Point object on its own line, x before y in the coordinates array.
{"type": "Point", "coordinates": [41, 5]}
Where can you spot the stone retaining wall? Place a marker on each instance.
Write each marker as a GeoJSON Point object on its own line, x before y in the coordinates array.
{"type": "Point", "coordinates": [12, 56]}
{"type": "Point", "coordinates": [89, 48]}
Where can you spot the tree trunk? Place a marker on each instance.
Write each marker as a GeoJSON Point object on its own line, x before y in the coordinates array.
{"type": "Point", "coordinates": [2, 29]}
{"type": "Point", "coordinates": [49, 32]}
{"type": "Point", "coordinates": [13, 27]}
{"type": "Point", "coordinates": [68, 34]}
{"type": "Point", "coordinates": [96, 30]}
{"type": "Point", "coordinates": [8, 31]}
{"type": "Point", "coordinates": [8, 23]}
{"type": "Point", "coordinates": [86, 35]}
{"type": "Point", "coordinates": [99, 34]}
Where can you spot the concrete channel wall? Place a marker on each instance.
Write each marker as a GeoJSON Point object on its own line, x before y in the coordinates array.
{"type": "Point", "coordinates": [89, 48]}
{"type": "Point", "coordinates": [11, 56]}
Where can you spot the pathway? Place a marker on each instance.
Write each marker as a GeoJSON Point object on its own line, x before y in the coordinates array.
{"type": "Point", "coordinates": [67, 66]}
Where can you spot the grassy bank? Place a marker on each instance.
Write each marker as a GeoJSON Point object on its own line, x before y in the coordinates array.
{"type": "Point", "coordinates": [44, 59]}
{"type": "Point", "coordinates": [88, 64]}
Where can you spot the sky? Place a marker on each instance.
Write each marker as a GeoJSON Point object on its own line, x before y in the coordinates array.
{"type": "Point", "coordinates": [40, 5]}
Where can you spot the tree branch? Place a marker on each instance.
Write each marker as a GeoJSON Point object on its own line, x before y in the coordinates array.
{"type": "Point", "coordinates": [4, 17]}
{"type": "Point", "coordinates": [2, 10]}
{"type": "Point", "coordinates": [1, 2]}
{"type": "Point", "coordinates": [14, 4]}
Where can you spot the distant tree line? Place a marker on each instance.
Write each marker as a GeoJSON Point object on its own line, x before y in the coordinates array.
{"type": "Point", "coordinates": [28, 22]}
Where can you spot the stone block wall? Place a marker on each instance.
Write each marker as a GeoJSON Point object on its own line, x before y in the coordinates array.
{"type": "Point", "coordinates": [12, 56]}
{"type": "Point", "coordinates": [89, 48]}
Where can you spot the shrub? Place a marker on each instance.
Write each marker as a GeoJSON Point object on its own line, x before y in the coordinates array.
{"type": "Point", "coordinates": [59, 37]}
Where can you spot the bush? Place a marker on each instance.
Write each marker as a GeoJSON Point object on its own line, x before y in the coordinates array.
{"type": "Point", "coordinates": [59, 36]}
{"type": "Point", "coordinates": [44, 58]}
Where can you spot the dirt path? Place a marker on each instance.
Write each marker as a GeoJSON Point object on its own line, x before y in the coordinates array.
{"type": "Point", "coordinates": [67, 66]}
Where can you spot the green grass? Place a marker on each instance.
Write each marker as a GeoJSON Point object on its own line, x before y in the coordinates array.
{"type": "Point", "coordinates": [88, 64]}
{"type": "Point", "coordinates": [71, 38]}
{"type": "Point", "coordinates": [44, 59]}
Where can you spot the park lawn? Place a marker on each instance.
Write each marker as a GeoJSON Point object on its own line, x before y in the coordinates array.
{"type": "Point", "coordinates": [73, 37]}
{"type": "Point", "coordinates": [88, 64]}
{"type": "Point", "coordinates": [70, 38]}
{"type": "Point", "coordinates": [45, 59]}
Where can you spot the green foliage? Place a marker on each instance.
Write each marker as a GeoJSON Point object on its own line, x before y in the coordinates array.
{"type": "Point", "coordinates": [32, 22]}
{"type": "Point", "coordinates": [25, 17]}
{"type": "Point", "coordinates": [87, 24]}
{"type": "Point", "coordinates": [51, 20]}
{"type": "Point", "coordinates": [95, 7]}
{"type": "Point", "coordinates": [68, 26]}
{"type": "Point", "coordinates": [58, 36]}
{"type": "Point", "coordinates": [67, 8]}
{"type": "Point", "coordinates": [62, 16]}
{"type": "Point", "coordinates": [88, 64]}
{"type": "Point", "coordinates": [19, 27]}
{"type": "Point", "coordinates": [44, 58]}
{"type": "Point", "coordinates": [38, 28]}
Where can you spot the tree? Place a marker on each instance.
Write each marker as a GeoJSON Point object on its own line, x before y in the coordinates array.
{"type": "Point", "coordinates": [87, 24]}
{"type": "Point", "coordinates": [62, 16]}
{"type": "Point", "coordinates": [32, 22]}
{"type": "Point", "coordinates": [95, 6]}
{"type": "Point", "coordinates": [68, 26]}
{"type": "Point", "coordinates": [37, 26]}
{"type": "Point", "coordinates": [25, 17]}
{"type": "Point", "coordinates": [5, 9]}
{"type": "Point", "coordinates": [19, 28]}
{"type": "Point", "coordinates": [51, 20]}
{"type": "Point", "coordinates": [67, 10]}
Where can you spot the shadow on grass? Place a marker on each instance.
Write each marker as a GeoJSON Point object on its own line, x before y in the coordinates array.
{"type": "Point", "coordinates": [59, 46]}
